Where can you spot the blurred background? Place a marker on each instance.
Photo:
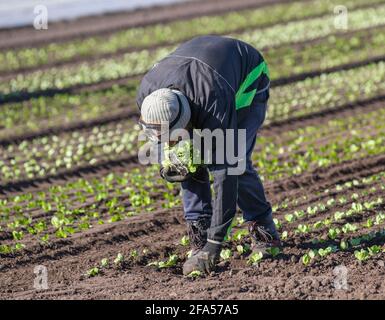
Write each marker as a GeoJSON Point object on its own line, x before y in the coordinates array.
{"type": "Point", "coordinates": [20, 12]}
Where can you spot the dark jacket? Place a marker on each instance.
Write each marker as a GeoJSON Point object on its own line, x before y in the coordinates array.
{"type": "Point", "coordinates": [209, 71]}
{"type": "Point", "coordinates": [219, 76]}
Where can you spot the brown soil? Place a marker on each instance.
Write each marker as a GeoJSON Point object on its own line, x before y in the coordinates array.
{"type": "Point", "coordinates": [283, 277]}
{"type": "Point", "coordinates": [159, 232]}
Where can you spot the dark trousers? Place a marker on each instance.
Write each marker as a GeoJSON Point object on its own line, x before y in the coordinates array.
{"type": "Point", "coordinates": [251, 198]}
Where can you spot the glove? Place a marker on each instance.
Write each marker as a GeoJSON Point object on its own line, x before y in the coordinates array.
{"type": "Point", "coordinates": [176, 171]}
{"type": "Point", "coordinates": [173, 176]}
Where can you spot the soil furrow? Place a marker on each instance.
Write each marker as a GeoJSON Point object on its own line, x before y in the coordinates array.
{"type": "Point", "coordinates": [20, 96]}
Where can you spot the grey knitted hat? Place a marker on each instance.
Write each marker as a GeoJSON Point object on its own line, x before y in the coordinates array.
{"type": "Point", "coordinates": [166, 105]}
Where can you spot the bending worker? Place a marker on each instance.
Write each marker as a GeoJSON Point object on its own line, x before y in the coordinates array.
{"type": "Point", "coordinates": [213, 82]}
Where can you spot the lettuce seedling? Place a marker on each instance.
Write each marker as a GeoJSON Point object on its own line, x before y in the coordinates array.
{"type": "Point", "coordinates": [194, 274]}
{"type": "Point", "coordinates": [362, 255]}
{"type": "Point", "coordinates": [185, 241]}
{"type": "Point", "coordinates": [17, 235]}
{"type": "Point", "coordinates": [184, 152]}
{"type": "Point", "coordinates": [324, 252]}
{"type": "Point", "coordinates": [93, 272]}
{"type": "Point", "coordinates": [104, 262]}
{"type": "Point", "coordinates": [303, 228]}
{"type": "Point", "coordinates": [134, 254]}
{"type": "Point", "coordinates": [225, 254]}
{"type": "Point", "coordinates": [344, 245]}
{"type": "Point", "coordinates": [119, 259]}
{"type": "Point", "coordinates": [289, 218]}
{"type": "Point", "coordinates": [171, 262]}
{"type": "Point", "coordinates": [44, 239]}
{"type": "Point", "coordinates": [375, 249]}
{"type": "Point", "coordinates": [369, 223]}
{"type": "Point", "coordinates": [240, 249]}
{"type": "Point", "coordinates": [349, 228]}
{"type": "Point", "coordinates": [5, 249]}
{"type": "Point", "coordinates": [333, 233]}
{"type": "Point", "coordinates": [318, 225]}
{"type": "Point", "coordinates": [339, 215]}
{"type": "Point", "coordinates": [255, 257]}
{"type": "Point", "coordinates": [312, 210]}
{"type": "Point", "coordinates": [277, 223]}
{"type": "Point", "coordinates": [284, 235]}
{"type": "Point", "coordinates": [306, 259]}
{"type": "Point", "coordinates": [238, 236]}
{"type": "Point", "coordinates": [299, 214]}
{"type": "Point", "coordinates": [312, 254]}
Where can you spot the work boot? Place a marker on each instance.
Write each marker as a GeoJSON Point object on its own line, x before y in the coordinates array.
{"type": "Point", "coordinates": [197, 232]}
{"type": "Point", "coordinates": [263, 237]}
{"type": "Point", "coordinates": [204, 260]}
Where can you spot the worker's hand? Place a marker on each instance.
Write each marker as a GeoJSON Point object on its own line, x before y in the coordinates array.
{"type": "Point", "coordinates": [173, 169]}
{"type": "Point", "coordinates": [172, 176]}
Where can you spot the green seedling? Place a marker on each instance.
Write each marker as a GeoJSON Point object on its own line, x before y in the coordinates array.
{"type": "Point", "coordinates": [93, 272]}
{"type": "Point", "coordinates": [362, 255]}
{"type": "Point", "coordinates": [242, 249]}
{"type": "Point", "coordinates": [240, 234]}
{"type": "Point", "coordinates": [134, 254]}
{"type": "Point", "coordinates": [119, 259]}
{"type": "Point", "coordinates": [226, 254]}
{"type": "Point", "coordinates": [104, 263]}
{"type": "Point", "coordinates": [306, 259]}
{"type": "Point", "coordinates": [17, 235]}
{"type": "Point", "coordinates": [333, 233]}
{"type": "Point", "coordinates": [344, 245]}
{"type": "Point", "coordinates": [375, 249]}
{"type": "Point", "coordinates": [303, 228]}
{"type": "Point", "coordinates": [255, 257]}
{"type": "Point", "coordinates": [185, 241]}
{"type": "Point", "coordinates": [171, 262]}
{"type": "Point", "coordinates": [289, 218]}
{"type": "Point", "coordinates": [277, 223]}
{"type": "Point", "coordinates": [195, 274]}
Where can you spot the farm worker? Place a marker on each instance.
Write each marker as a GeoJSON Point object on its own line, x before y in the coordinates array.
{"type": "Point", "coordinates": [213, 82]}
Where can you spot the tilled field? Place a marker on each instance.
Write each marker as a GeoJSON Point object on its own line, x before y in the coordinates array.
{"type": "Point", "coordinates": [75, 200]}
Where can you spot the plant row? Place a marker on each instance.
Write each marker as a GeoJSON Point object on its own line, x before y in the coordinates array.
{"type": "Point", "coordinates": [293, 100]}
{"type": "Point", "coordinates": [59, 211]}
{"type": "Point", "coordinates": [277, 156]}
{"type": "Point", "coordinates": [51, 155]}
{"type": "Point", "coordinates": [162, 34]}
{"type": "Point", "coordinates": [138, 62]}
{"type": "Point", "coordinates": [287, 101]}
